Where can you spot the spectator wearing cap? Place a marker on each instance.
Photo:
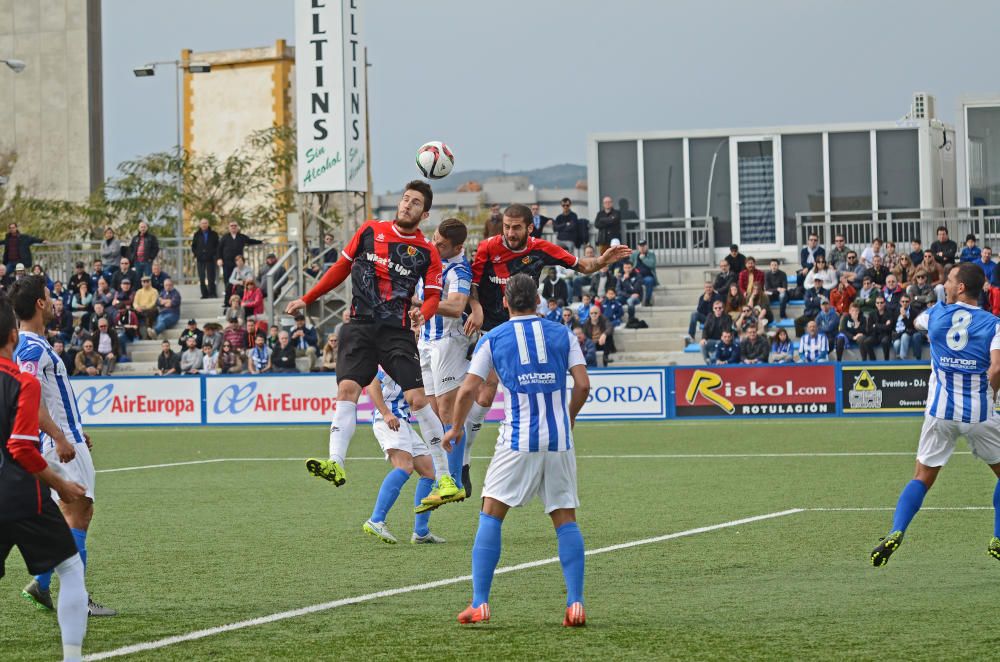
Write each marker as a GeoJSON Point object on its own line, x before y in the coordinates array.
{"type": "Point", "coordinates": [283, 358]}
{"type": "Point", "coordinates": [159, 276]}
{"type": "Point", "coordinates": [304, 339]}
{"type": "Point", "coordinates": [125, 293]}
{"type": "Point", "coordinates": [253, 299]}
{"type": "Point", "coordinates": [644, 263]}
{"type": "Point", "coordinates": [146, 304]}
{"type": "Point", "coordinates": [168, 361]}
{"type": "Point", "coordinates": [17, 248]}
{"type": "Point", "coordinates": [269, 263]}
{"type": "Point", "coordinates": [169, 307]}
{"type": "Point", "coordinates": [205, 246]}
{"type": "Point", "coordinates": [970, 252]}
{"type": "Point", "coordinates": [125, 271]}
{"type": "Point", "coordinates": [143, 249]}
{"type": "Point", "coordinates": [828, 321]}
{"type": "Point", "coordinates": [19, 272]}
{"type": "Point", "coordinates": [80, 275]}
{"type": "Point", "coordinates": [191, 331]}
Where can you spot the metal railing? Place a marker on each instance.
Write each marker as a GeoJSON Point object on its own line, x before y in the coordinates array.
{"type": "Point", "coordinates": [900, 226]}
{"type": "Point", "coordinates": [674, 241]}
{"type": "Point", "coordinates": [285, 287]}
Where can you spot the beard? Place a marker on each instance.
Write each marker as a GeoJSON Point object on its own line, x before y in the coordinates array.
{"type": "Point", "coordinates": [407, 224]}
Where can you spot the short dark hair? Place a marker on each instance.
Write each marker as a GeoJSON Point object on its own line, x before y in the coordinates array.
{"type": "Point", "coordinates": [453, 230]}
{"type": "Point", "coordinates": [424, 189]}
{"type": "Point", "coordinates": [521, 293]}
{"type": "Point", "coordinates": [972, 276]}
{"type": "Point", "coordinates": [566, 201]}
{"type": "Point", "coordinates": [8, 322]}
{"type": "Point", "coordinates": [25, 294]}
{"type": "Point", "coordinates": [517, 210]}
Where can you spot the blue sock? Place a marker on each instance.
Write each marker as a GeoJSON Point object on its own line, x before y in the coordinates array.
{"type": "Point", "coordinates": [44, 580]}
{"type": "Point", "coordinates": [387, 494]}
{"type": "Point", "coordinates": [80, 538]}
{"type": "Point", "coordinates": [421, 521]}
{"type": "Point", "coordinates": [456, 458]}
{"type": "Point", "coordinates": [485, 556]}
{"type": "Point", "coordinates": [996, 510]}
{"type": "Point", "coordinates": [572, 560]}
{"type": "Point", "coordinates": [910, 500]}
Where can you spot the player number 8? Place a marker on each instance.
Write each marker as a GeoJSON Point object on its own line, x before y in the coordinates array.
{"type": "Point", "coordinates": [958, 334]}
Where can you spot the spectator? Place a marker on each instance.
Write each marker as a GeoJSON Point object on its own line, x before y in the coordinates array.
{"type": "Point", "coordinates": [711, 333]}
{"type": "Point", "coordinates": [143, 249]}
{"type": "Point", "coordinates": [61, 324]}
{"type": "Point", "coordinates": [867, 295]}
{"type": "Point", "coordinates": [79, 275]}
{"type": "Point", "coordinates": [17, 247]}
{"type": "Point", "coordinates": [734, 301]}
{"type": "Point", "coordinates": [230, 362]}
{"type": "Point", "coordinates": [253, 330]}
{"type": "Point", "coordinates": [823, 272]}
{"type": "Point", "coordinates": [111, 250]}
{"type": "Point", "coordinates": [727, 350]}
{"type": "Point", "coordinates": [568, 319]}
{"type": "Point", "coordinates": [612, 308]}
{"type": "Point", "coordinates": [921, 293]}
{"type": "Point", "coordinates": [754, 347]}
{"type": "Point", "coordinates": [916, 252]}
{"type": "Point", "coordinates": [168, 362]}
{"type": "Point", "coordinates": [97, 274]}
{"type": "Point", "coordinates": [838, 254]}
{"type": "Point", "coordinates": [944, 249]}
{"type": "Point", "coordinates": [64, 295]}
{"type": "Point", "coordinates": [83, 300]}
{"type": "Point", "coordinates": [554, 312]}
{"type": "Point", "coordinates": [538, 221]}
{"type": "Point", "coordinates": [587, 346]}
{"type": "Point", "coordinates": [903, 271]}
{"type": "Point", "coordinates": [868, 255]}
{"type": "Point", "coordinates": [608, 222]}
{"type": "Point", "coordinates": [191, 357]}
{"type": "Point", "coordinates": [89, 320]}
{"type": "Point", "coordinates": [126, 324]}
{"type": "Point", "coordinates": [890, 258]}
{"type": "Point", "coordinates": [60, 350]}
{"type": "Point", "coordinates": [209, 360]}
{"type": "Point", "coordinates": [191, 331]}
{"type": "Point", "coordinates": [644, 263]}
{"type": "Point", "coordinates": [843, 295]}
{"type": "Point", "coordinates": [106, 344]}
{"type": "Point", "coordinates": [125, 295]}
{"type": "Point", "coordinates": [232, 244]}
{"type": "Point", "coordinates": [600, 330]}
{"type": "Point", "coordinates": [750, 316]}
{"type": "Point", "coordinates": [854, 268]}
{"type": "Point", "coordinates": [36, 270]}
{"type": "Point", "coordinates": [851, 330]}
{"type": "Point", "coordinates": [88, 362]}
{"type": "Point", "coordinates": [146, 305]}
{"type": "Point", "coordinates": [158, 277]}
{"type": "Point", "coordinates": [828, 322]}
{"type": "Point", "coordinates": [813, 298]}
{"type": "Point", "coordinates": [345, 318]}
{"type": "Point", "coordinates": [579, 280]}
{"type": "Point", "coordinates": [19, 272]}
{"type": "Point", "coordinates": [724, 279]}
{"type": "Point", "coordinates": [565, 227]}
{"type": "Point", "coordinates": [125, 272]}
{"type": "Point", "coordinates": [554, 288]}
{"type": "Point", "coordinates": [737, 261]}
{"type": "Point", "coordinates": [304, 339]}
{"type": "Point", "coordinates": [328, 251]}
{"type": "Point", "coordinates": [212, 336]}
{"type": "Point", "coordinates": [781, 348]}
{"type": "Point", "coordinates": [970, 252]}
{"type": "Point", "coordinates": [272, 337]}
{"type": "Point", "coordinates": [329, 354]}
{"type": "Point", "coordinates": [205, 246]}
{"type": "Point", "coordinates": [878, 272]}
{"type": "Point", "coordinates": [891, 293]}
{"type": "Point", "coordinates": [601, 281]}
{"type": "Point", "coordinates": [75, 346]}
{"type": "Point", "coordinates": [494, 222]}
{"type": "Point", "coordinates": [238, 276]}
{"type": "Point", "coordinates": [629, 289]}
{"type": "Point", "coordinates": [750, 279]}
{"type": "Point", "coordinates": [776, 287]}
{"type": "Point", "coordinates": [259, 358]}
{"type": "Point", "coordinates": [807, 258]}
{"type": "Point", "coordinates": [283, 358]}
{"type": "Point", "coordinates": [584, 308]}
{"type": "Point", "coordinates": [934, 270]}
{"type": "Point", "coordinates": [904, 334]}
{"type": "Point", "coordinates": [5, 279]}
{"type": "Point", "coordinates": [582, 234]}
{"type": "Point", "coordinates": [701, 311]}
{"type": "Point", "coordinates": [269, 263]}
{"type": "Point", "coordinates": [878, 332]}
{"type": "Point", "coordinates": [253, 299]}
{"type": "Point", "coordinates": [986, 263]}
{"type": "Point", "coordinates": [104, 294]}
{"type": "Point", "coordinates": [235, 309]}
{"type": "Point", "coordinates": [235, 337]}
{"type": "Point", "coordinates": [814, 347]}
{"type": "Point", "coordinates": [170, 307]}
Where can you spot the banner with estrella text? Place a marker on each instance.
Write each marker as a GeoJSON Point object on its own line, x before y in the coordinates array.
{"type": "Point", "coordinates": [770, 390]}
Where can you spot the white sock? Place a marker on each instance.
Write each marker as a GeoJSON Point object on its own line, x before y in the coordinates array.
{"type": "Point", "coordinates": [72, 607]}
{"type": "Point", "coordinates": [473, 422]}
{"type": "Point", "coordinates": [432, 432]}
{"type": "Point", "coordinates": [345, 418]}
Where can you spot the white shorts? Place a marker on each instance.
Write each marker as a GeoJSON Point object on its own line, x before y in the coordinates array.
{"type": "Point", "coordinates": [938, 437]}
{"type": "Point", "coordinates": [444, 364]}
{"type": "Point", "coordinates": [404, 439]}
{"type": "Point", "coordinates": [79, 470]}
{"type": "Point", "coordinates": [515, 478]}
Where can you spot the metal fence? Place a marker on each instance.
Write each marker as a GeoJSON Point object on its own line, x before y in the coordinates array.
{"type": "Point", "coordinates": [675, 241]}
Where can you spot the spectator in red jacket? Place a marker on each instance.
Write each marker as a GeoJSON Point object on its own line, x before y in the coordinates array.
{"type": "Point", "coordinates": [253, 299]}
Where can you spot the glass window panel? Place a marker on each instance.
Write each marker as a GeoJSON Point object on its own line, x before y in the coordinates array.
{"type": "Point", "coordinates": [984, 156]}
{"type": "Point", "coordinates": [898, 169]}
{"type": "Point", "coordinates": [663, 172]}
{"type": "Point", "coordinates": [755, 169]}
{"type": "Point", "coordinates": [618, 175]}
{"type": "Point", "coordinates": [850, 171]}
{"type": "Point", "coordinates": [802, 179]}
{"type": "Point", "coordinates": [701, 152]}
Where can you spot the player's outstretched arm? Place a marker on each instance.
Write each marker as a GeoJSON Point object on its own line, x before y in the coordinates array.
{"type": "Point", "coordinates": [581, 389]}
{"type": "Point", "coordinates": [588, 265]}
{"type": "Point", "coordinates": [453, 305]}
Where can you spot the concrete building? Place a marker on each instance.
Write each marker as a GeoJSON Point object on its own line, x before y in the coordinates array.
{"type": "Point", "coordinates": [51, 113]}
{"type": "Point", "coordinates": [979, 152]}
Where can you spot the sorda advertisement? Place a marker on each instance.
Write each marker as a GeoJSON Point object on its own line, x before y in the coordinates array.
{"type": "Point", "coordinates": [797, 390]}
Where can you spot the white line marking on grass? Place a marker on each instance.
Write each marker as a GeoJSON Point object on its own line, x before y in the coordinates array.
{"type": "Point", "coordinates": [892, 508]}
{"type": "Point", "coordinates": [326, 606]}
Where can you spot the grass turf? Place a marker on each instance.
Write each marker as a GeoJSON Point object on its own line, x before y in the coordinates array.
{"type": "Point", "coordinates": [183, 548]}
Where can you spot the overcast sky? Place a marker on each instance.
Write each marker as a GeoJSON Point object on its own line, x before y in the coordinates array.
{"type": "Point", "coordinates": [531, 78]}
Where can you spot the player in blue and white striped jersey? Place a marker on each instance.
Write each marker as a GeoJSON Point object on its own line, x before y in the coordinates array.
{"type": "Point", "coordinates": [61, 426]}
{"type": "Point", "coordinates": [407, 452]}
{"type": "Point", "coordinates": [534, 452]}
{"type": "Point", "coordinates": [444, 347]}
{"type": "Point", "coordinates": [965, 378]}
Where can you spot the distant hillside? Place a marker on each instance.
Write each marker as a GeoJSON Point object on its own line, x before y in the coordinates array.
{"type": "Point", "coordinates": [565, 175]}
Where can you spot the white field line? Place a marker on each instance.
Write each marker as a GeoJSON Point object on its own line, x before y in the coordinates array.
{"type": "Point", "coordinates": [648, 456]}
{"type": "Point", "coordinates": [326, 606]}
{"type": "Point", "coordinates": [892, 508]}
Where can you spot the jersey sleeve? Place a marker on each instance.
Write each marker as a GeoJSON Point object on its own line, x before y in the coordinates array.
{"type": "Point", "coordinates": [557, 255]}
{"type": "Point", "coordinates": [432, 277]}
{"type": "Point", "coordinates": [995, 343]}
{"type": "Point", "coordinates": [459, 280]}
{"type": "Point", "coordinates": [351, 249]}
{"type": "Point", "coordinates": [479, 261]}
{"type": "Point", "coordinates": [30, 359]}
{"type": "Point", "coordinates": [575, 353]}
{"type": "Point", "coordinates": [482, 359]}
{"type": "Point", "coordinates": [23, 441]}
{"type": "Point", "coordinates": [923, 320]}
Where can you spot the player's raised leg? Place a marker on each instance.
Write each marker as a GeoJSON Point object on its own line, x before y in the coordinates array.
{"type": "Point", "coordinates": [909, 502]}
{"type": "Point", "coordinates": [345, 419]}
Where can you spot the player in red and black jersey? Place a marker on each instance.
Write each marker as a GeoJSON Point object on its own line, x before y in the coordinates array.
{"type": "Point", "coordinates": [498, 258]}
{"type": "Point", "coordinates": [386, 260]}
{"type": "Point", "coordinates": [29, 518]}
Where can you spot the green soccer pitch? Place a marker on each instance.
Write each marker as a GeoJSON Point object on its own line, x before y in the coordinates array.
{"type": "Point", "coordinates": [185, 543]}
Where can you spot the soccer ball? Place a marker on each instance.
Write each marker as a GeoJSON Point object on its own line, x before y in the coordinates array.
{"type": "Point", "coordinates": [435, 160]}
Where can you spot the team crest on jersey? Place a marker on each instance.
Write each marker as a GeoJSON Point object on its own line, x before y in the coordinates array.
{"type": "Point", "coordinates": [29, 367]}
{"type": "Point", "coordinates": [411, 251]}
{"type": "Point", "coordinates": [496, 258]}
{"type": "Point", "coordinates": [526, 259]}
{"type": "Point", "coordinates": [380, 237]}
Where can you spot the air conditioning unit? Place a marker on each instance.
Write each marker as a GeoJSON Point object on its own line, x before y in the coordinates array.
{"type": "Point", "coordinates": [923, 106]}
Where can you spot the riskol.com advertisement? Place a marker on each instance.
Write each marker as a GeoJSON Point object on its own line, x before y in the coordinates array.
{"type": "Point", "coordinates": [800, 390]}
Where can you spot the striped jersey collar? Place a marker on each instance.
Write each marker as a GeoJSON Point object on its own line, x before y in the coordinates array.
{"type": "Point", "coordinates": [524, 317]}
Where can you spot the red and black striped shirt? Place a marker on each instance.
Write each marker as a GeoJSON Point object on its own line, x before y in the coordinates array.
{"type": "Point", "coordinates": [21, 493]}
